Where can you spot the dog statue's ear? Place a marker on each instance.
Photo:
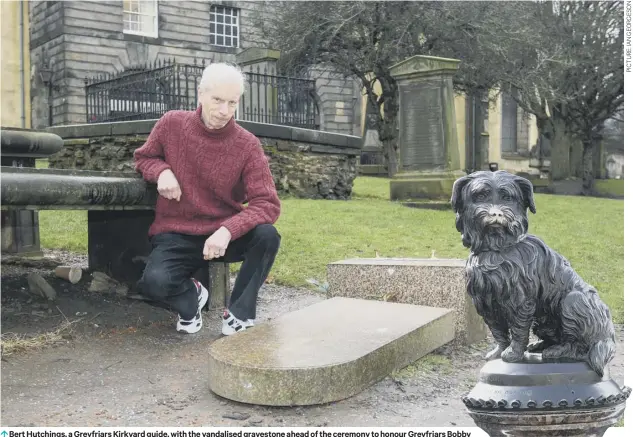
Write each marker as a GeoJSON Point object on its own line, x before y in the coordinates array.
{"type": "Point", "coordinates": [456, 198]}
{"type": "Point", "coordinates": [528, 192]}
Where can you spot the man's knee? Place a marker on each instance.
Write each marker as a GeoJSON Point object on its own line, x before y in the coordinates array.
{"type": "Point", "coordinates": [156, 282]}
{"type": "Point", "coordinates": [268, 235]}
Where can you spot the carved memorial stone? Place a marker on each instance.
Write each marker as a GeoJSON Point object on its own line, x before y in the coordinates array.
{"type": "Point", "coordinates": [429, 154]}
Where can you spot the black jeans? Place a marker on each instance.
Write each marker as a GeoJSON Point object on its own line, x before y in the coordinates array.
{"type": "Point", "coordinates": [176, 257]}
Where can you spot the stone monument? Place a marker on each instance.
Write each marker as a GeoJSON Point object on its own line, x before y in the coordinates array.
{"type": "Point", "coordinates": [372, 160]}
{"type": "Point", "coordinates": [559, 384]}
{"type": "Point", "coordinates": [429, 154]}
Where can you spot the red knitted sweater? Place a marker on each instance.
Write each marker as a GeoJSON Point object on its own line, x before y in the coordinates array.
{"type": "Point", "coordinates": [218, 171]}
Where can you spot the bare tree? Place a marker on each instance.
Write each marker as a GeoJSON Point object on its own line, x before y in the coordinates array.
{"type": "Point", "coordinates": [577, 82]}
{"type": "Point", "coordinates": [363, 39]}
{"type": "Point", "coordinates": [562, 61]}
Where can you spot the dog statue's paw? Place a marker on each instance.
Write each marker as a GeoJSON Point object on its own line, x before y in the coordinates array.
{"type": "Point", "coordinates": [495, 353]}
{"type": "Point", "coordinates": [537, 346]}
{"type": "Point", "coordinates": [510, 355]}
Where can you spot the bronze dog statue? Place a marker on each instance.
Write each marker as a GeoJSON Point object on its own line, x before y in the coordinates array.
{"type": "Point", "coordinates": [518, 283]}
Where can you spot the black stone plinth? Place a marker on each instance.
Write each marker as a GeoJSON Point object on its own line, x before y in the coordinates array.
{"type": "Point", "coordinates": [536, 398]}
{"type": "Point", "coordinates": [118, 243]}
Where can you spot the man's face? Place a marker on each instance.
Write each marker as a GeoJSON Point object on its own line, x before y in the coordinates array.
{"type": "Point", "coordinates": [219, 103]}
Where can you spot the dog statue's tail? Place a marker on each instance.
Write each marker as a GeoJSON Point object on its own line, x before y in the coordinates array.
{"type": "Point", "coordinates": [600, 354]}
{"type": "Point", "coordinates": [588, 320]}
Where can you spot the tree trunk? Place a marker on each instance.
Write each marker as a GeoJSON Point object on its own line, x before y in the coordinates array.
{"type": "Point", "coordinates": [561, 143]}
{"type": "Point", "coordinates": [576, 158]}
{"type": "Point", "coordinates": [544, 143]}
{"type": "Point", "coordinates": [389, 138]}
{"type": "Point", "coordinates": [388, 127]}
{"type": "Point", "coordinates": [587, 166]}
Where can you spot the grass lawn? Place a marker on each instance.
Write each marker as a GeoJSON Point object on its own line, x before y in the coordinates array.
{"type": "Point", "coordinates": [588, 231]}
{"type": "Point", "coordinates": [610, 186]}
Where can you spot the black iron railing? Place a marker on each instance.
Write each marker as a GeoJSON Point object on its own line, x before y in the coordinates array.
{"type": "Point", "coordinates": [147, 92]}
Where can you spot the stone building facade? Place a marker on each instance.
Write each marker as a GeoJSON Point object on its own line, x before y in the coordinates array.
{"type": "Point", "coordinates": [72, 40]}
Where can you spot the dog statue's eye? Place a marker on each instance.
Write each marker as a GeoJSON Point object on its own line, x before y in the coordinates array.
{"type": "Point", "coordinates": [506, 196]}
{"type": "Point", "coordinates": [479, 197]}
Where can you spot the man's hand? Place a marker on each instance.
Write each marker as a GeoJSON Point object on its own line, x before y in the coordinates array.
{"type": "Point", "coordinates": [168, 186]}
{"type": "Point", "coordinates": [216, 244]}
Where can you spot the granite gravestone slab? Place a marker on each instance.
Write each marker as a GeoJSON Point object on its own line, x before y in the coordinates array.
{"type": "Point", "coordinates": [326, 352]}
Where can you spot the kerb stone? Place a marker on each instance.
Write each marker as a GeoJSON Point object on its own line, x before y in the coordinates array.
{"type": "Point", "coordinates": [429, 282]}
{"type": "Point", "coordinates": [326, 352]}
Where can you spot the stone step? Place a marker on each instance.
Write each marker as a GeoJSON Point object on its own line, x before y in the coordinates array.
{"type": "Point", "coordinates": [432, 282]}
{"type": "Point", "coordinates": [326, 352]}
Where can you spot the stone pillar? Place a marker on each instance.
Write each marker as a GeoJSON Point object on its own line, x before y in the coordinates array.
{"type": "Point", "coordinates": [20, 148]}
{"type": "Point", "coordinates": [429, 153]}
{"type": "Point", "coordinates": [260, 100]}
{"type": "Point", "coordinates": [336, 100]}
{"type": "Point", "coordinates": [371, 155]}
{"type": "Point", "coordinates": [265, 59]}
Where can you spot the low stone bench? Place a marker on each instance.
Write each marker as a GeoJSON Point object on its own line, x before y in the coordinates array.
{"type": "Point", "coordinates": [428, 282]}
{"type": "Point", "coordinates": [120, 209]}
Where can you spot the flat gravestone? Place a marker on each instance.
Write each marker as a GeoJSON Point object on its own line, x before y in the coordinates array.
{"type": "Point", "coordinates": [325, 352]}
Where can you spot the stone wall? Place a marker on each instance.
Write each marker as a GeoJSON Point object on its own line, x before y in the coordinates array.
{"type": "Point", "coordinates": [76, 39]}
{"type": "Point", "coordinates": [305, 163]}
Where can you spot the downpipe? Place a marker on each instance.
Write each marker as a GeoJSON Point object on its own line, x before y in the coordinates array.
{"type": "Point", "coordinates": [22, 93]}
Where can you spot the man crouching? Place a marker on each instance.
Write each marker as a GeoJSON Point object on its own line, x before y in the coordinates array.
{"type": "Point", "coordinates": [206, 167]}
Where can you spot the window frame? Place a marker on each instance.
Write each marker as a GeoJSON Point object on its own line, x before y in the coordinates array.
{"type": "Point", "coordinates": [213, 10]}
{"type": "Point", "coordinates": [154, 32]}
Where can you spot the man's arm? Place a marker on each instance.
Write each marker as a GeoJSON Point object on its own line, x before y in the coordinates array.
{"type": "Point", "coordinates": [149, 159]}
{"type": "Point", "coordinates": [264, 206]}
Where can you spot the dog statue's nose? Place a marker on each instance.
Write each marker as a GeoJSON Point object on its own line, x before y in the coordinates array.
{"type": "Point", "coordinates": [495, 212]}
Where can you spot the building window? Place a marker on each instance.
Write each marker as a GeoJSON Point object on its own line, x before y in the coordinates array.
{"type": "Point", "coordinates": [140, 17]}
{"type": "Point", "coordinates": [225, 23]}
{"type": "Point", "coordinates": [508, 124]}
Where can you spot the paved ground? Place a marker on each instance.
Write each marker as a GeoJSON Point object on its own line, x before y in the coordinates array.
{"type": "Point", "coordinates": [121, 363]}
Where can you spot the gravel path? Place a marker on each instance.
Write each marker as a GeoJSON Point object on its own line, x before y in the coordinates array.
{"type": "Point", "coordinates": [122, 364]}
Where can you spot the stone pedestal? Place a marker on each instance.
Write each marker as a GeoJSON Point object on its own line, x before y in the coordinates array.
{"type": "Point", "coordinates": [429, 154]}
{"type": "Point", "coordinates": [20, 148]}
{"type": "Point", "coordinates": [535, 398]}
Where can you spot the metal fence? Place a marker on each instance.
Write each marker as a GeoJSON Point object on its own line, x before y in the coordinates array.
{"type": "Point", "coordinates": [147, 92]}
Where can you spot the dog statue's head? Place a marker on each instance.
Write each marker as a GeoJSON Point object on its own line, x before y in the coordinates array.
{"type": "Point", "coordinates": [491, 209]}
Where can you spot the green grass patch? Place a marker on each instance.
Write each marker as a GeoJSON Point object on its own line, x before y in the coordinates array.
{"type": "Point", "coordinates": [614, 187]}
{"type": "Point", "coordinates": [587, 231]}
{"type": "Point", "coordinates": [67, 230]}
{"type": "Point", "coordinates": [436, 364]}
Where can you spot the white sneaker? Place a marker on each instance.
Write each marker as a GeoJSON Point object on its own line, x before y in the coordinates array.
{"type": "Point", "coordinates": [232, 325]}
{"type": "Point", "coordinates": [194, 325]}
